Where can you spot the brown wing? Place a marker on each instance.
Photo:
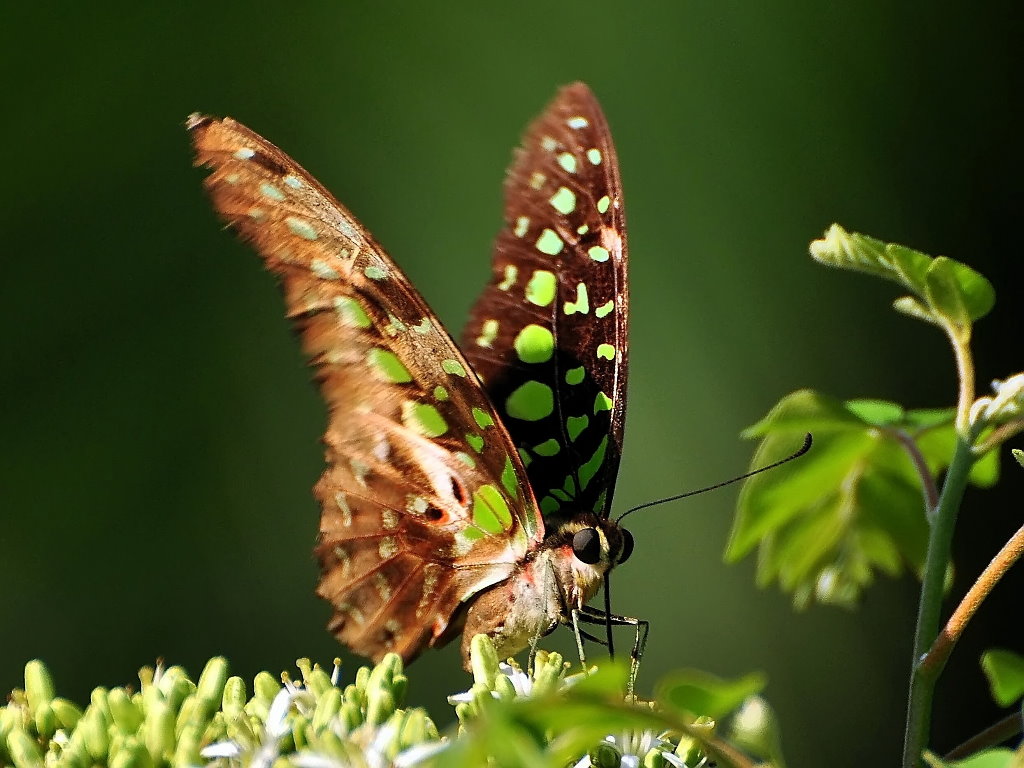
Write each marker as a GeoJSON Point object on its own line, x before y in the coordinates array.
{"type": "Point", "coordinates": [425, 501]}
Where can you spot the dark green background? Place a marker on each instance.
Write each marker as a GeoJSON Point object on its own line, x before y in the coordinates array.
{"type": "Point", "coordinates": [159, 434]}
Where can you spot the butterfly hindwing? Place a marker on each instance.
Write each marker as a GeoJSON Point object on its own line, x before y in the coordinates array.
{"type": "Point", "coordinates": [549, 334]}
{"type": "Point", "coordinates": [425, 500]}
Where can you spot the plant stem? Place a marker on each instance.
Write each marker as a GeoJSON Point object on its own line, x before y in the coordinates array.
{"type": "Point", "coordinates": [922, 680]}
{"type": "Point", "coordinates": [1009, 554]}
{"type": "Point", "coordinates": [965, 376]}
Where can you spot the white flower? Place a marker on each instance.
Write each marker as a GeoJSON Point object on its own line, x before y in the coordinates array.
{"type": "Point", "coordinates": [633, 745]}
{"type": "Point", "coordinates": [1007, 403]}
{"type": "Point", "coordinates": [268, 748]}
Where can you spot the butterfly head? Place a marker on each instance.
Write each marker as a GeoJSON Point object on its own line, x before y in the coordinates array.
{"type": "Point", "coordinates": [588, 547]}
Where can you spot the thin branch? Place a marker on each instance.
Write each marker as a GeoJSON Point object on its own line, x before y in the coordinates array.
{"type": "Point", "coordinates": [928, 486]}
{"type": "Point", "coordinates": [1010, 553]}
{"type": "Point", "coordinates": [1007, 728]}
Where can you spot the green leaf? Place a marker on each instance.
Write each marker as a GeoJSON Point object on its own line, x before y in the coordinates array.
{"type": "Point", "coordinates": [826, 523]}
{"type": "Point", "coordinates": [943, 291]}
{"type": "Point", "coordinates": [945, 296]}
{"type": "Point", "coordinates": [1005, 673]}
{"type": "Point", "coordinates": [701, 693]}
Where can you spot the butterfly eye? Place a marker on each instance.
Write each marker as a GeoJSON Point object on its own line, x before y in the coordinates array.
{"type": "Point", "coordinates": [627, 546]}
{"type": "Point", "coordinates": [586, 545]}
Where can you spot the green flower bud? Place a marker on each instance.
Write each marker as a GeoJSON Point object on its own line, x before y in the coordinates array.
{"type": "Point", "coordinates": [24, 751]}
{"type": "Point", "coordinates": [318, 681]}
{"type": "Point", "coordinates": [654, 758]}
{"type": "Point", "coordinates": [126, 716]}
{"type": "Point", "coordinates": [169, 678]}
{"type": "Point", "coordinates": [233, 701]}
{"type": "Point", "coordinates": [181, 690]}
{"type": "Point", "coordinates": [547, 677]}
{"type": "Point", "coordinates": [67, 713]}
{"type": "Point", "coordinates": [380, 705]}
{"type": "Point", "coordinates": [301, 731]}
{"type": "Point", "coordinates": [399, 687]}
{"type": "Point", "coordinates": [94, 728]}
{"type": "Point", "coordinates": [212, 680]}
{"type": "Point", "coordinates": [98, 701]}
{"type": "Point", "coordinates": [327, 708]}
{"type": "Point", "coordinates": [362, 677]}
{"type": "Point", "coordinates": [131, 755]}
{"type": "Point", "coordinates": [159, 731]}
{"type": "Point", "coordinates": [483, 660]}
{"type": "Point", "coordinates": [350, 716]}
{"type": "Point", "coordinates": [38, 684]}
{"type": "Point", "coordinates": [605, 755]}
{"type": "Point", "coordinates": [355, 696]}
{"type": "Point", "coordinates": [504, 688]}
{"type": "Point", "coordinates": [186, 751]}
{"type": "Point", "coordinates": [415, 729]}
{"type": "Point", "coordinates": [45, 720]}
{"type": "Point", "coordinates": [265, 687]}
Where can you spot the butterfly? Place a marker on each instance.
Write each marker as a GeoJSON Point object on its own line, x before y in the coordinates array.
{"type": "Point", "coordinates": [466, 490]}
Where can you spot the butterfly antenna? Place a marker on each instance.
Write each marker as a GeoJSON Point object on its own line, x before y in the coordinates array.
{"type": "Point", "coordinates": [803, 449]}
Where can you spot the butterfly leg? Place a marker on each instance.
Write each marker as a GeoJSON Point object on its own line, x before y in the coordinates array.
{"type": "Point", "coordinates": [578, 633]}
{"type": "Point", "coordinates": [642, 627]}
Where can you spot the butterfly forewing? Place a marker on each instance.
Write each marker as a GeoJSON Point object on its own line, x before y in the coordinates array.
{"type": "Point", "coordinates": [549, 334]}
{"type": "Point", "coordinates": [425, 500]}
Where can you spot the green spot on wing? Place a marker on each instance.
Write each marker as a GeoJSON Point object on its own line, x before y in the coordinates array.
{"type": "Point", "coordinates": [588, 470]}
{"type": "Point", "coordinates": [605, 308]}
{"type": "Point", "coordinates": [374, 273]}
{"type": "Point", "coordinates": [597, 253]}
{"type": "Point", "coordinates": [541, 288]}
{"type": "Point", "coordinates": [482, 418]}
{"type": "Point", "coordinates": [509, 480]}
{"type": "Point", "coordinates": [550, 243]}
{"type": "Point", "coordinates": [301, 228]}
{"type": "Point", "coordinates": [475, 442]}
{"type": "Point", "coordinates": [606, 351]}
{"type": "Point", "coordinates": [549, 504]}
{"type": "Point", "coordinates": [269, 190]}
{"type": "Point", "coordinates": [531, 401]}
{"type": "Point", "coordinates": [549, 447]}
{"type": "Point", "coordinates": [574, 425]}
{"type": "Point", "coordinates": [563, 201]}
{"type": "Point", "coordinates": [575, 375]}
{"type": "Point", "coordinates": [423, 418]}
{"type": "Point", "coordinates": [453, 367]}
{"type": "Point", "coordinates": [440, 393]}
{"type": "Point", "coordinates": [466, 459]}
{"type": "Point", "coordinates": [582, 303]}
{"type": "Point", "coordinates": [488, 333]}
{"type": "Point", "coordinates": [602, 403]}
{"type": "Point", "coordinates": [511, 270]}
{"type": "Point", "coordinates": [387, 366]}
{"type": "Point", "coordinates": [490, 510]}
{"type": "Point", "coordinates": [534, 344]}
{"type": "Point", "coordinates": [351, 312]}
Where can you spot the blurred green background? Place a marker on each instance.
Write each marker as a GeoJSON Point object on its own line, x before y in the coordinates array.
{"type": "Point", "coordinates": [158, 432]}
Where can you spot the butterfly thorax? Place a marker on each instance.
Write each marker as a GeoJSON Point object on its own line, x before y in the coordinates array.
{"type": "Point", "coordinates": [561, 575]}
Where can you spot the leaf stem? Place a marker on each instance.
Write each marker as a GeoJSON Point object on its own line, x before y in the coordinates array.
{"type": "Point", "coordinates": [960, 340]}
{"type": "Point", "coordinates": [996, 733]}
{"type": "Point", "coordinates": [922, 680]}
{"type": "Point", "coordinates": [1010, 553]}
{"type": "Point", "coordinates": [928, 487]}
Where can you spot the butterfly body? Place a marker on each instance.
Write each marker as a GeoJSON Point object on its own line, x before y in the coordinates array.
{"type": "Point", "coordinates": [465, 489]}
